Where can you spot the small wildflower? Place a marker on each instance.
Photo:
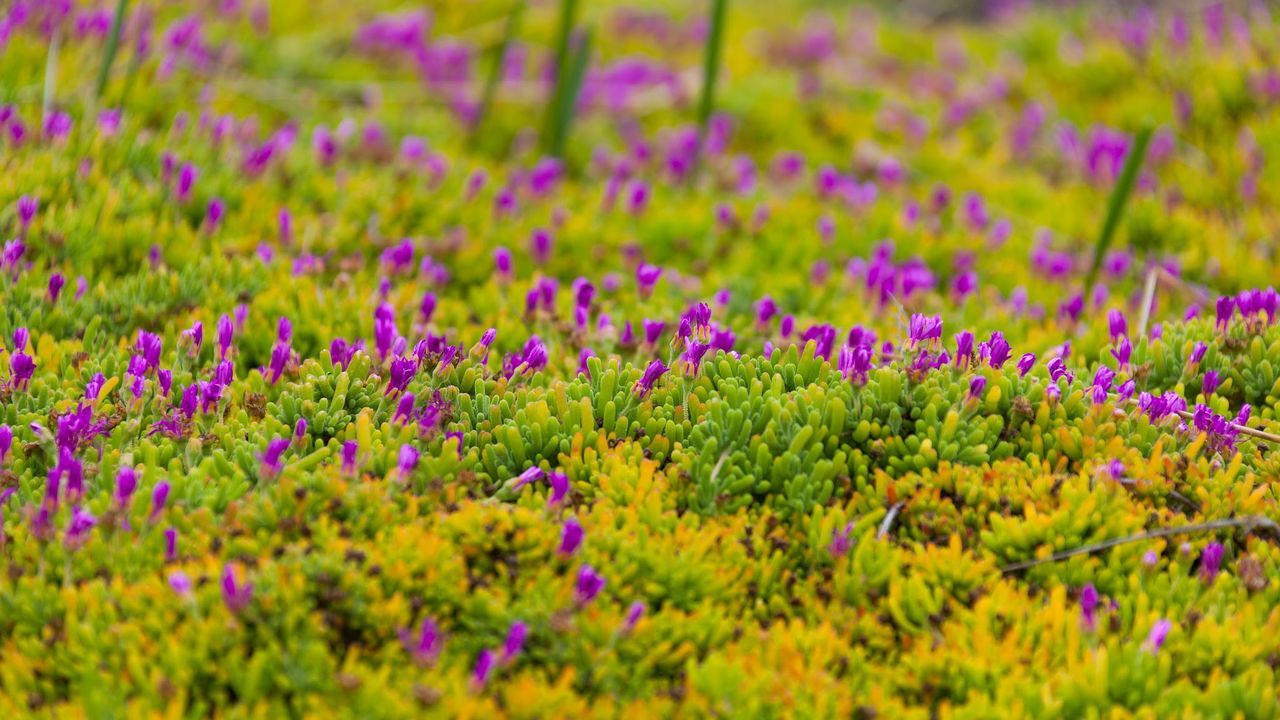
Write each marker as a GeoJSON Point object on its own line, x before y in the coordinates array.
{"type": "Point", "coordinates": [482, 670]}
{"type": "Point", "coordinates": [588, 585]}
{"type": "Point", "coordinates": [426, 647]}
{"type": "Point", "coordinates": [170, 544]}
{"type": "Point", "coordinates": [634, 613]}
{"type": "Point", "coordinates": [408, 460]}
{"type": "Point", "coordinates": [159, 495]}
{"type": "Point", "coordinates": [1089, 608]}
{"type": "Point", "coordinates": [652, 373]}
{"type": "Point", "coordinates": [237, 592]}
{"type": "Point", "coordinates": [1210, 383]}
{"type": "Point", "coordinates": [514, 643]}
{"type": "Point", "coordinates": [571, 535]}
{"type": "Point", "coordinates": [1117, 324]}
{"type": "Point", "coordinates": [841, 541]}
{"type": "Point", "coordinates": [1159, 632]}
{"type": "Point", "coordinates": [528, 477]}
{"type": "Point", "coordinates": [180, 584]}
{"type": "Point", "coordinates": [559, 488]}
{"type": "Point", "coordinates": [1211, 561]}
{"type": "Point", "coordinates": [272, 457]}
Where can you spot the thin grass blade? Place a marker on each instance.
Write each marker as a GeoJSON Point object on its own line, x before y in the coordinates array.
{"type": "Point", "coordinates": [112, 47]}
{"type": "Point", "coordinates": [564, 33]}
{"type": "Point", "coordinates": [1116, 205]}
{"type": "Point", "coordinates": [710, 70]}
{"type": "Point", "coordinates": [495, 73]}
{"type": "Point", "coordinates": [577, 65]}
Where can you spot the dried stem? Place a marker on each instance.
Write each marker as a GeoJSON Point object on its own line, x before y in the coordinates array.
{"type": "Point", "coordinates": [1249, 523]}
{"type": "Point", "coordinates": [888, 520]}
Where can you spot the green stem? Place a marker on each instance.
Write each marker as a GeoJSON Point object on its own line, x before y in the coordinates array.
{"type": "Point", "coordinates": [1116, 205]}
{"type": "Point", "coordinates": [568, 11]}
{"type": "Point", "coordinates": [113, 45]}
{"type": "Point", "coordinates": [710, 75]}
{"type": "Point", "coordinates": [495, 73]}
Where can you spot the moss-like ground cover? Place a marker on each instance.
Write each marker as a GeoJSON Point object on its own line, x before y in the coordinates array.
{"type": "Point", "coordinates": [325, 390]}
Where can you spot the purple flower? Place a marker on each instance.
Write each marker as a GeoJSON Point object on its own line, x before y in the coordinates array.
{"type": "Point", "coordinates": [646, 278]}
{"type": "Point", "coordinates": [559, 488]}
{"type": "Point", "coordinates": [1197, 354]}
{"type": "Point", "coordinates": [226, 332]}
{"type": "Point", "coordinates": [996, 351]}
{"type": "Point", "coordinates": [588, 585]}
{"type": "Point", "coordinates": [194, 336]}
{"type": "Point", "coordinates": [426, 647]}
{"type": "Point", "coordinates": [502, 263]}
{"type": "Point", "coordinates": [652, 374]}
{"type": "Point", "coordinates": [1101, 387]}
{"type": "Point", "coordinates": [514, 644]}
{"type": "Point", "coordinates": [428, 306]}
{"type": "Point", "coordinates": [1211, 561]}
{"type": "Point", "coordinates": [28, 206]}
{"type": "Point", "coordinates": [1125, 392]}
{"type": "Point", "coordinates": [456, 435]}
{"type": "Point", "coordinates": [6, 441]}
{"type": "Point", "coordinates": [1117, 324]}
{"type": "Point", "coordinates": [1123, 351]}
{"type": "Point", "coordinates": [1223, 309]}
{"type": "Point", "coordinates": [213, 216]}
{"type": "Point", "coordinates": [236, 593]}
{"type": "Point", "coordinates": [766, 310]}
{"type": "Point", "coordinates": [652, 330]}
{"type": "Point", "coordinates": [1025, 363]}
{"type": "Point", "coordinates": [1089, 607]}
{"type": "Point", "coordinates": [528, 477]}
{"type": "Point", "coordinates": [159, 495]}
{"type": "Point", "coordinates": [634, 613]}
{"type": "Point", "coordinates": [401, 371]}
{"type": "Point", "coordinates": [976, 386]}
{"type": "Point", "coordinates": [272, 457]}
{"type": "Point", "coordinates": [180, 583]}
{"type": "Point", "coordinates": [483, 669]}
{"type": "Point", "coordinates": [21, 368]}
{"type": "Point", "coordinates": [924, 328]}
{"type": "Point", "coordinates": [408, 460]}
{"type": "Point", "coordinates": [1058, 371]}
{"type": "Point", "coordinates": [170, 544]}
{"type": "Point", "coordinates": [126, 484]}
{"type": "Point", "coordinates": [964, 348]}
{"type": "Point", "coordinates": [1210, 383]}
{"type": "Point", "coordinates": [540, 245]}
{"type": "Point", "coordinates": [571, 535]}
{"type": "Point", "coordinates": [350, 450]}
{"type": "Point", "coordinates": [56, 283]}
{"type": "Point", "coordinates": [78, 529]}
{"type": "Point", "coordinates": [854, 363]}
{"type": "Point", "coordinates": [841, 541]}
{"type": "Point", "coordinates": [1159, 632]}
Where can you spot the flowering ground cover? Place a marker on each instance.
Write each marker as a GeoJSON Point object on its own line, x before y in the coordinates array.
{"type": "Point", "coordinates": [638, 359]}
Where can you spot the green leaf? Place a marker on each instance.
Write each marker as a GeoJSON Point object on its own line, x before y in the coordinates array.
{"type": "Point", "coordinates": [1116, 205]}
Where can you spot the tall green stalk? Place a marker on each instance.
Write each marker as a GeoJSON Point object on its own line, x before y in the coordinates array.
{"type": "Point", "coordinates": [112, 47]}
{"type": "Point", "coordinates": [495, 73]}
{"type": "Point", "coordinates": [577, 72]}
{"type": "Point", "coordinates": [564, 32]}
{"type": "Point", "coordinates": [1116, 205]}
{"type": "Point", "coordinates": [710, 71]}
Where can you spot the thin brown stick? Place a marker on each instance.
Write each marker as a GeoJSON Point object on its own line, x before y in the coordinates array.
{"type": "Point", "coordinates": [1251, 522]}
{"type": "Point", "coordinates": [1242, 429]}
